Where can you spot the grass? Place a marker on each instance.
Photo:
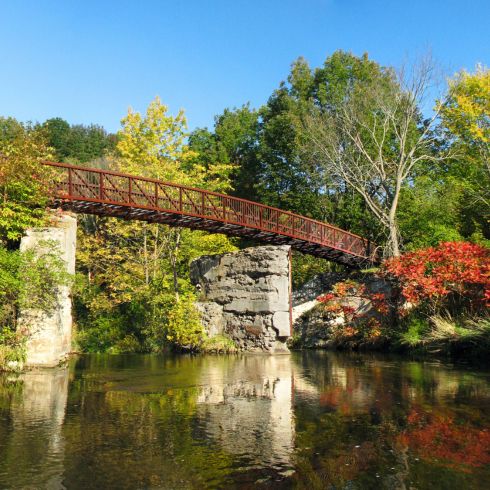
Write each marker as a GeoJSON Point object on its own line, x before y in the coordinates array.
{"type": "Point", "coordinates": [415, 333]}
{"type": "Point", "coordinates": [462, 337]}
{"type": "Point", "coordinates": [445, 328]}
{"type": "Point", "coordinates": [219, 344]}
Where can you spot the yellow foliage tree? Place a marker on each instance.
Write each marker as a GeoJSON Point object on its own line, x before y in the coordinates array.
{"type": "Point", "coordinates": [24, 182]}
{"type": "Point", "coordinates": [140, 267]}
{"type": "Point", "coordinates": [154, 145]}
{"type": "Point", "coordinates": [466, 115]}
{"type": "Point", "coordinates": [467, 112]}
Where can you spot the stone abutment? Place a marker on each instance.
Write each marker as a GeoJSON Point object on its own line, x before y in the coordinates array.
{"type": "Point", "coordinates": [246, 296]}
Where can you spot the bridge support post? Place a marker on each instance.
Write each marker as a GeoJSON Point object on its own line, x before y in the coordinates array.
{"type": "Point", "coordinates": [246, 296]}
{"type": "Point", "coordinates": [49, 336]}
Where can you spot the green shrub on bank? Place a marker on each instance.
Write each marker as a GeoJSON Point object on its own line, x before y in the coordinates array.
{"type": "Point", "coordinates": [103, 333]}
{"type": "Point", "coordinates": [414, 331]}
{"type": "Point", "coordinates": [12, 349]}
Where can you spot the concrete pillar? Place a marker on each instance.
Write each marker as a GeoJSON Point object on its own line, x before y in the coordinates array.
{"type": "Point", "coordinates": [49, 340]}
{"type": "Point", "coordinates": [246, 295]}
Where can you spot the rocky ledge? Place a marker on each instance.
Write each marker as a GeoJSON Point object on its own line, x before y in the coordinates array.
{"type": "Point", "coordinates": [317, 327]}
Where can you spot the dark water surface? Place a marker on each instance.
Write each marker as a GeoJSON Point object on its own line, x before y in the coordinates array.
{"type": "Point", "coordinates": [309, 420]}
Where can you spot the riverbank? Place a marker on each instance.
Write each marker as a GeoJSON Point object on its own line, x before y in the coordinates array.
{"type": "Point", "coordinates": [430, 302]}
{"type": "Point", "coordinates": [473, 350]}
{"type": "Point", "coordinates": [322, 328]}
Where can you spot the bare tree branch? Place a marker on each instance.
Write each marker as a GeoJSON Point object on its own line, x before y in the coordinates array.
{"type": "Point", "coordinates": [375, 140]}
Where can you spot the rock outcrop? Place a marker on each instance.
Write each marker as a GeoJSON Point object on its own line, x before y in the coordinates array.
{"type": "Point", "coordinates": [305, 298]}
{"type": "Point", "coordinates": [314, 326]}
{"type": "Point", "coordinates": [246, 296]}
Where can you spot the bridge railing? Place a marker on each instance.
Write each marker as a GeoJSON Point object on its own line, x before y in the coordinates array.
{"type": "Point", "coordinates": [77, 183]}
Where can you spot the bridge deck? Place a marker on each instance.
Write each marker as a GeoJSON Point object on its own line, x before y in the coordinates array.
{"type": "Point", "coordinates": [106, 193]}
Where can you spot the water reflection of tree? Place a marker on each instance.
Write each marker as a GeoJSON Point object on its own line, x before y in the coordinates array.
{"type": "Point", "coordinates": [145, 424]}
{"type": "Point", "coordinates": [363, 429]}
{"type": "Point", "coordinates": [179, 422]}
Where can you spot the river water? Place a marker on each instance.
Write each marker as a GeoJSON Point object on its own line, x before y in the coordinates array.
{"type": "Point", "coordinates": [306, 420]}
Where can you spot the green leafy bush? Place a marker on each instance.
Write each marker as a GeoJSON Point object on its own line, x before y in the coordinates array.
{"type": "Point", "coordinates": [12, 348]}
{"type": "Point", "coordinates": [183, 326]}
{"type": "Point", "coordinates": [101, 333]}
{"type": "Point", "coordinates": [415, 330]}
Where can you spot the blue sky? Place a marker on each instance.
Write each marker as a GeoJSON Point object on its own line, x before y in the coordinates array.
{"type": "Point", "coordinates": [88, 61]}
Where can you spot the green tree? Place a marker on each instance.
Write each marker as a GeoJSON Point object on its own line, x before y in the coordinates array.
{"type": "Point", "coordinates": [77, 143]}
{"type": "Point", "coordinates": [58, 135]}
{"type": "Point", "coordinates": [24, 181]}
{"type": "Point", "coordinates": [267, 146]}
{"type": "Point", "coordinates": [284, 178]}
{"type": "Point", "coordinates": [376, 139]}
{"type": "Point", "coordinates": [234, 141]}
{"type": "Point", "coordinates": [429, 211]}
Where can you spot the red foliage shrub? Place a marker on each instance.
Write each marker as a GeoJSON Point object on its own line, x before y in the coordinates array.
{"type": "Point", "coordinates": [358, 326]}
{"type": "Point", "coordinates": [325, 298]}
{"type": "Point", "coordinates": [435, 274]}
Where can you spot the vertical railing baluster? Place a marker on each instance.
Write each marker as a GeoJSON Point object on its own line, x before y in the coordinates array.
{"type": "Point", "coordinates": [156, 194]}
{"type": "Point", "coordinates": [70, 182]}
{"type": "Point", "coordinates": [180, 199]}
{"type": "Point", "coordinates": [130, 180]}
{"type": "Point", "coordinates": [101, 186]}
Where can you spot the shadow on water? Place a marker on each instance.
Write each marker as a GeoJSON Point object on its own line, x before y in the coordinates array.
{"type": "Point", "coordinates": [309, 420]}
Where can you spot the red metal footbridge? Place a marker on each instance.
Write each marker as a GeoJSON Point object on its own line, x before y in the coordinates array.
{"type": "Point", "coordinates": [107, 193]}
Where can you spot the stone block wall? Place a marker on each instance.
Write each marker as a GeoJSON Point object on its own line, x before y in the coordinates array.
{"type": "Point", "coordinates": [246, 295]}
